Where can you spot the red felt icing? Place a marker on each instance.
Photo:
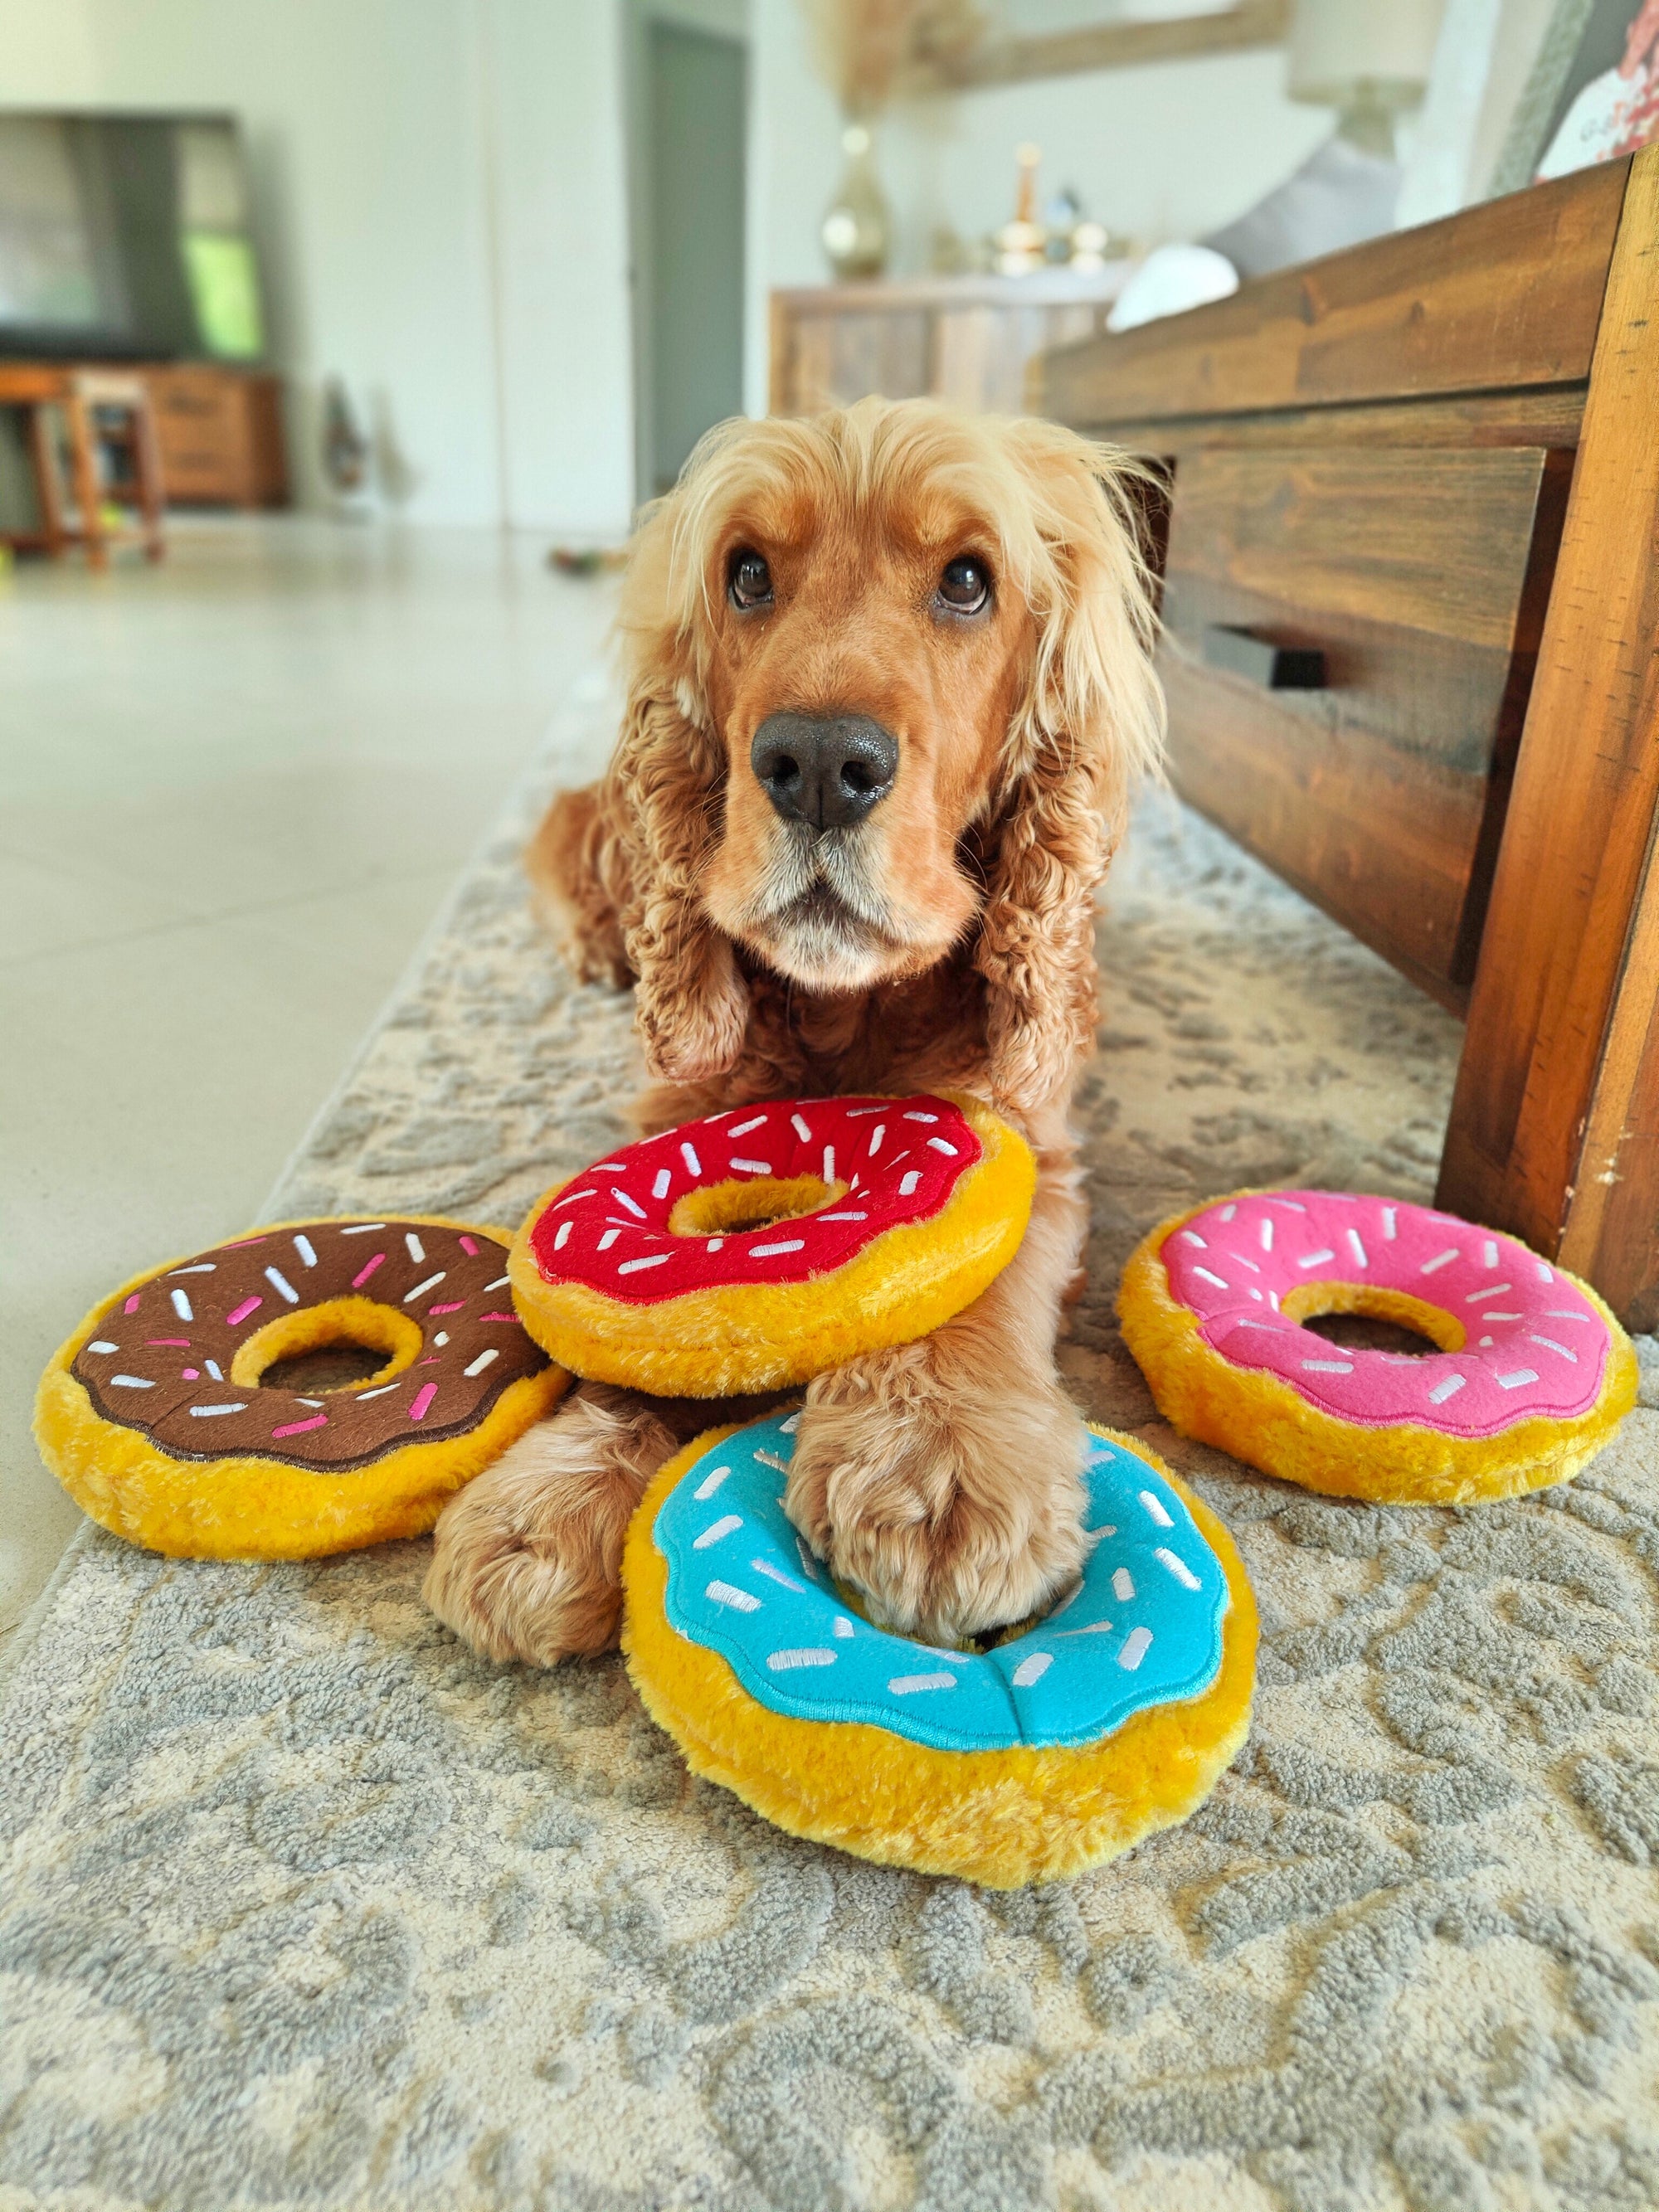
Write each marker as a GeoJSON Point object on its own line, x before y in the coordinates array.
{"type": "Point", "coordinates": [901, 1158]}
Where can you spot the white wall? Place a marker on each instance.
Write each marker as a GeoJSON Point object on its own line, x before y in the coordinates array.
{"type": "Point", "coordinates": [439, 189]}
{"type": "Point", "coordinates": [1169, 150]}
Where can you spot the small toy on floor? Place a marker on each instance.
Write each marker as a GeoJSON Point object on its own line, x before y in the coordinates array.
{"type": "Point", "coordinates": [1532, 1375]}
{"type": "Point", "coordinates": [765, 1245]}
{"type": "Point", "coordinates": [1047, 1754]}
{"type": "Point", "coordinates": [157, 1418]}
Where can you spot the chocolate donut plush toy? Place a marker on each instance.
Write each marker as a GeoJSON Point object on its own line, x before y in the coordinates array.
{"type": "Point", "coordinates": [156, 1418]}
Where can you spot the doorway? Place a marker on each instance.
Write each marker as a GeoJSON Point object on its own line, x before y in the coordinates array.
{"type": "Point", "coordinates": [689, 245]}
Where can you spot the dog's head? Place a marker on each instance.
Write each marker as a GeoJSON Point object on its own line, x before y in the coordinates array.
{"type": "Point", "coordinates": [889, 683]}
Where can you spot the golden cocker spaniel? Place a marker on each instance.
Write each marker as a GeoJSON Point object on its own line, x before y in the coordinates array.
{"type": "Point", "coordinates": [889, 684]}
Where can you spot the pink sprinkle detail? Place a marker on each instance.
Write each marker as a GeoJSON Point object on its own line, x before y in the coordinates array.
{"type": "Point", "coordinates": [192, 1374]}
{"type": "Point", "coordinates": [242, 1243]}
{"type": "Point", "coordinates": [432, 1359]}
{"type": "Point", "coordinates": [511, 1317]}
{"type": "Point", "coordinates": [299, 1428]}
{"type": "Point", "coordinates": [454, 1308]}
{"type": "Point", "coordinates": [171, 1343]}
{"type": "Point", "coordinates": [234, 1320]}
{"type": "Point", "coordinates": [363, 1273]}
{"type": "Point", "coordinates": [423, 1398]}
{"type": "Point", "coordinates": [131, 1305]}
{"type": "Point", "coordinates": [470, 1248]}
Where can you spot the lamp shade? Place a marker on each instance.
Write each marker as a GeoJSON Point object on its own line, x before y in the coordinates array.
{"type": "Point", "coordinates": [1339, 45]}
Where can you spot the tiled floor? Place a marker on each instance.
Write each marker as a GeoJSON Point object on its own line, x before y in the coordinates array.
{"type": "Point", "coordinates": [232, 791]}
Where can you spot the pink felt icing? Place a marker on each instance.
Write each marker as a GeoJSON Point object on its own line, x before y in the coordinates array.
{"type": "Point", "coordinates": [901, 1156]}
{"type": "Point", "coordinates": [1536, 1344]}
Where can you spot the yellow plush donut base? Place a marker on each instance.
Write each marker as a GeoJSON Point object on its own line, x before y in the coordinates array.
{"type": "Point", "coordinates": [1260, 1418]}
{"type": "Point", "coordinates": [998, 1818]}
{"type": "Point", "coordinates": [739, 1337]}
{"type": "Point", "coordinates": [261, 1509]}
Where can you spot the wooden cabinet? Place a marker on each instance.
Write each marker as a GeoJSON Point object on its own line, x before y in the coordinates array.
{"type": "Point", "coordinates": [1407, 583]}
{"type": "Point", "coordinates": [1424, 473]}
{"type": "Point", "coordinates": [220, 435]}
{"type": "Point", "coordinates": [967, 339]}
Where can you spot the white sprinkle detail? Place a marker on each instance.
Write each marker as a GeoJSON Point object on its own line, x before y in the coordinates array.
{"type": "Point", "coordinates": [1192, 1238]}
{"type": "Point", "coordinates": [563, 1237]}
{"type": "Point", "coordinates": [770, 1459]}
{"type": "Point", "coordinates": [1227, 1213]}
{"type": "Point", "coordinates": [103, 1344]}
{"type": "Point", "coordinates": [1390, 1231]}
{"type": "Point", "coordinates": [905, 1686]}
{"type": "Point", "coordinates": [1328, 1366]}
{"type": "Point", "coordinates": [417, 1249]}
{"type": "Point", "coordinates": [752, 1167]}
{"type": "Point", "coordinates": [742, 1128]}
{"type": "Point", "coordinates": [1032, 1669]}
{"type": "Point", "coordinates": [1550, 1345]}
{"type": "Point", "coordinates": [1155, 1507]}
{"type": "Point", "coordinates": [622, 1199]}
{"type": "Point", "coordinates": [829, 1163]}
{"type": "Point", "coordinates": [661, 1182]}
{"type": "Point", "coordinates": [879, 1131]}
{"type": "Point", "coordinates": [279, 1281]}
{"type": "Point", "coordinates": [783, 1662]}
{"type": "Point", "coordinates": [181, 1306]}
{"type": "Point", "coordinates": [1492, 1290]}
{"type": "Point", "coordinates": [1449, 1388]}
{"type": "Point", "coordinates": [776, 1575]}
{"type": "Point", "coordinates": [1177, 1566]}
{"type": "Point", "coordinates": [1136, 1644]}
{"type": "Point", "coordinates": [908, 1180]}
{"type": "Point", "coordinates": [842, 1627]}
{"type": "Point", "coordinates": [767, 1251]}
{"type": "Point", "coordinates": [715, 1530]}
{"type": "Point", "coordinates": [710, 1483]}
{"type": "Point", "coordinates": [843, 1216]}
{"type": "Point", "coordinates": [420, 1289]}
{"type": "Point", "coordinates": [1514, 1382]}
{"type": "Point", "coordinates": [940, 1145]}
{"type": "Point", "coordinates": [1358, 1249]}
{"type": "Point", "coordinates": [729, 1594]}
{"type": "Point", "coordinates": [132, 1381]}
{"type": "Point", "coordinates": [306, 1250]}
{"type": "Point", "coordinates": [1123, 1585]}
{"type": "Point", "coordinates": [608, 1239]}
{"type": "Point", "coordinates": [362, 1229]}
{"type": "Point", "coordinates": [1266, 1233]}
{"type": "Point", "coordinates": [205, 1412]}
{"type": "Point", "coordinates": [1210, 1276]}
{"type": "Point", "coordinates": [1489, 1252]}
{"type": "Point", "coordinates": [1440, 1259]}
{"type": "Point", "coordinates": [214, 1369]}
{"type": "Point", "coordinates": [693, 1164]}
{"type": "Point", "coordinates": [1316, 1258]}
{"type": "Point", "coordinates": [650, 1259]}
{"type": "Point", "coordinates": [477, 1366]}
{"type": "Point", "coordinates": [801, 1128]}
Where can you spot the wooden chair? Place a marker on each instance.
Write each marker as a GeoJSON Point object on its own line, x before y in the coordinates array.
{"type": "Point", "coordinates": [106, 417]}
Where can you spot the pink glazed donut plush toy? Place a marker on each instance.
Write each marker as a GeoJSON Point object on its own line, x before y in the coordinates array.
{"type": "Point", "coordinates": [1531, 1375]}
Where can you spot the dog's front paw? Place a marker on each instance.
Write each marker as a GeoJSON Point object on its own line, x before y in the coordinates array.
{"type": "Point", "coordinates": [526, 1562]}
{"type": "Point", "coordinates": [954, 1506]}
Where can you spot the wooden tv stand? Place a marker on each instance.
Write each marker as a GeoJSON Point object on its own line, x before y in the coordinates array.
{"type": "Point", "coordinates": [1411, 645]}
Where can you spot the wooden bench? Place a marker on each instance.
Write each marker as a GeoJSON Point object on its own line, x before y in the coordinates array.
{"type": "Point", "coordinates": [1411, 606]}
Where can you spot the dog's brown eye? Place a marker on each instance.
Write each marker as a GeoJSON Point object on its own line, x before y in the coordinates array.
{"type": "Point", "coordinates": [749, 580]}
{"type": "Point", "coordinates": [965, 585]}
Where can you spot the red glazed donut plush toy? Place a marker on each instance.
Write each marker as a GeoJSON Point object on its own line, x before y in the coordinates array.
{"type": "Point", "coordinates": [1531, 1376]}
{"type": "Point", "coordinates": [766, 1244]}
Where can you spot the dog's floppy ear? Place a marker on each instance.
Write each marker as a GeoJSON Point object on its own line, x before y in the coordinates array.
{"type": "Point", "coordinates": [1091, 720]}
{"type": "Point", "coordinates": [663, 796]}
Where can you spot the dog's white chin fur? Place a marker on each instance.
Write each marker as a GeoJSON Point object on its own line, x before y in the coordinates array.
{"type": "Point", "coordinates": [817, 919]}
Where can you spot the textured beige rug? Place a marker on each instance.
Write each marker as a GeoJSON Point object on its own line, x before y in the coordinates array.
{"type": "Point", "coordinates": [305, 1907]}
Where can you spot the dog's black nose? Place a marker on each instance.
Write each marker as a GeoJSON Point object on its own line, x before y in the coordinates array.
{"type": "Point", "coordinates": [828, 774]}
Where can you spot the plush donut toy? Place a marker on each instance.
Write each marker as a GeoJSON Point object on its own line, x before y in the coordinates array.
{"type": "Point", "coordinates": [762, 1246]}
{"type": "Point", "coordinates": [156, 1419]}
{"type": "Point", "coordinates": [1532, 1376]}
{"type": "Point", "coordinates": [1046, 1754]}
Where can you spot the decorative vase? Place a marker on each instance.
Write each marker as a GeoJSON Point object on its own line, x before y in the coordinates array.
{"type": "Point", "coordinates": [858, 227]}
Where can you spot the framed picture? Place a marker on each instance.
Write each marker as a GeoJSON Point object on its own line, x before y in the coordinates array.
{"type": "Point", "coordinates": [1593, 92]}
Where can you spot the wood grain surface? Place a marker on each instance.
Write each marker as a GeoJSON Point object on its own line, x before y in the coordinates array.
{"type": "Point", "coordinates": [1504, 296]}
{"type": "Point", "coordinates": [1553, 1131]}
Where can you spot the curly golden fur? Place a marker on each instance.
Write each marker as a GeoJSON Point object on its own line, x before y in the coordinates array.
{"type": "Point", "coordinates": [945, 939]}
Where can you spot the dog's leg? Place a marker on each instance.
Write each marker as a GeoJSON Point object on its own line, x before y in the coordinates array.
{"type": "Point", "coordinates": [944, 1478]}
{"type": "Point", "coordinates": [527, 1560]}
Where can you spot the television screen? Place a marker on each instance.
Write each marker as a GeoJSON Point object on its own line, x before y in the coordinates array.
{"type": "Point", "coordinates": [126, 235]}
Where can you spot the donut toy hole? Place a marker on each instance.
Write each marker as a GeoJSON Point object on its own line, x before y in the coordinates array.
{"type": "Point", "coordinates": [1365, 1317]}
{"type": "Point", "coordinates": [728, 1209]}
{"type": "Point", "coordinates": [345, 1344]}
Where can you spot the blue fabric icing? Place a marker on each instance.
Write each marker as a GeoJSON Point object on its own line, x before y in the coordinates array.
{"type": "Point", "coordinates": [1143, 1628]}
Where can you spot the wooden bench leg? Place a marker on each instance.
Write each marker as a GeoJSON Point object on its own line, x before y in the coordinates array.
{"type": "Point", "coordinates": [83, 463]}
{"type": "Point", "coordinates": [1554, 1131]}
